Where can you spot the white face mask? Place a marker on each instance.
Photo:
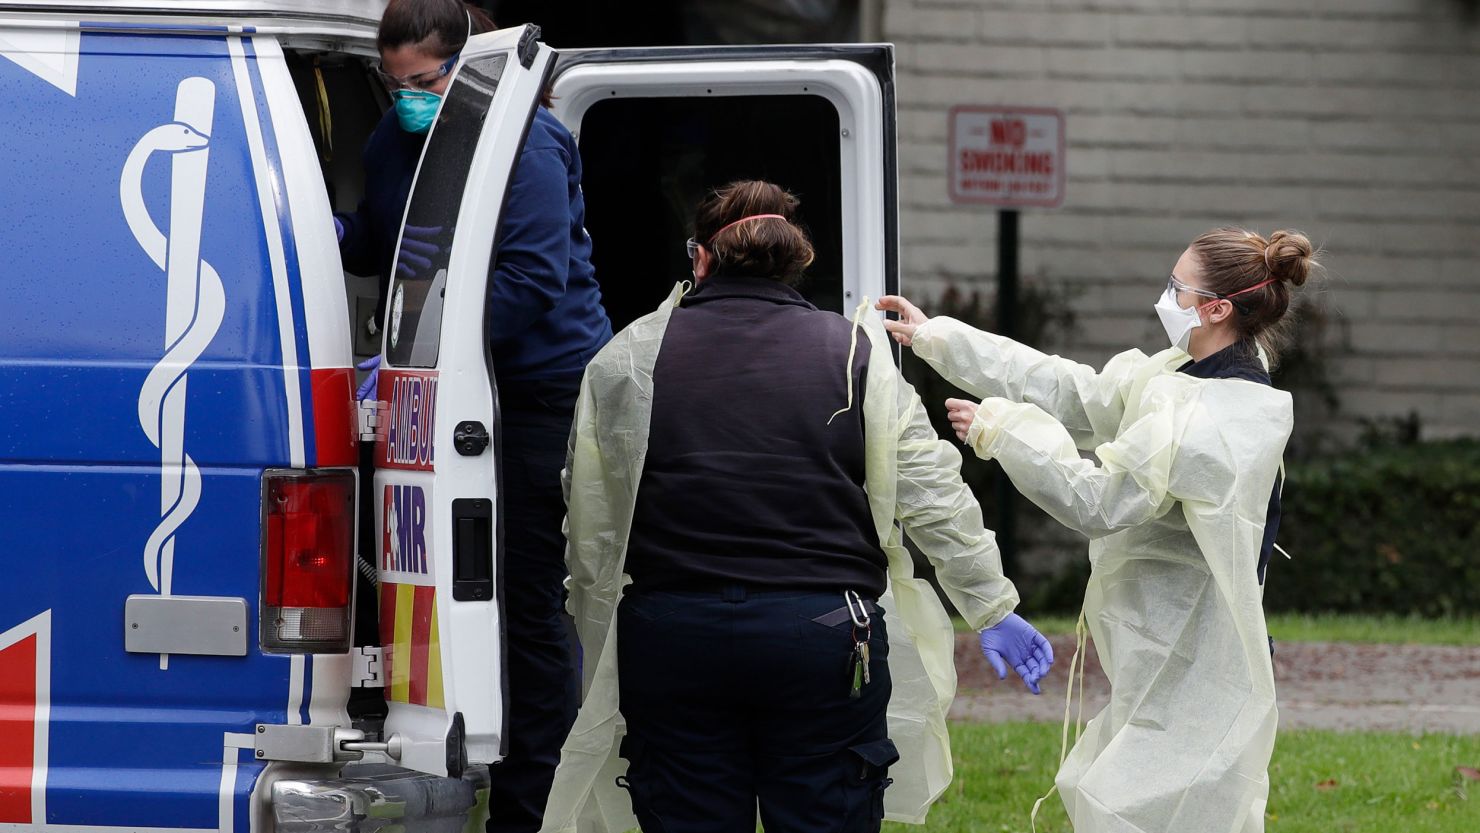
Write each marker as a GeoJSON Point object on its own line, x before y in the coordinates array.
{"type": "Point", "coordinates": [1177, 320]}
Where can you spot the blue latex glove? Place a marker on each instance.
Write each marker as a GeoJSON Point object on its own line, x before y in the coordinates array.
{"type": "Point", "coordinates": [420, 246]}
{"type": "Point", "coordinates": [369, 387]}
{"type": "Point", "coordinates": [1015, 642]}
{"type": "Point", "coordinates": [338, 230]}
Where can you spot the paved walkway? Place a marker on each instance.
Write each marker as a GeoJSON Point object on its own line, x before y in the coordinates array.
{"type": "Point", "coordinates": [1321, 685]}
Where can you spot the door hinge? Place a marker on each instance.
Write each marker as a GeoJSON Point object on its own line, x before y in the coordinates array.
{"type": "Point", "coordinates": [318, 744]}
{"type": "Point", "coordinates": [369, 661]}
{"type": "Point", "coordinates": [371, 425]}
{"type": "Point", "coordinates": [528, 45]}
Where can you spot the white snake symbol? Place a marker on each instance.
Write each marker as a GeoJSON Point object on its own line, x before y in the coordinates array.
{"type": "Point", "coordinates": [196, 304]}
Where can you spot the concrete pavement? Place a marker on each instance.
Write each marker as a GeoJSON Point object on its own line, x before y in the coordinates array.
{"type": "Point", "coordinates": [1321, 685]}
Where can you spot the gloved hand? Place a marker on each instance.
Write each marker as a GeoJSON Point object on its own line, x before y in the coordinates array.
{"type": "Point", "coordinates": [338, 230]}
{"type": "Point", "coordinates": [420, 246]}
{"type": "Point", "coordinates": [369, 388]}
{"type": "Point", "coordinates": [1015, 642]}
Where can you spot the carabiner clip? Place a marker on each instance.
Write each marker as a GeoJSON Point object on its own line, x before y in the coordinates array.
{"type": "Point", "coordinates": [856, 610]}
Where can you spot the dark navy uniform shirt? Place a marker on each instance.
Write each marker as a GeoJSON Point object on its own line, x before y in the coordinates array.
{"type": "Point", "coordinates": [547, 321]}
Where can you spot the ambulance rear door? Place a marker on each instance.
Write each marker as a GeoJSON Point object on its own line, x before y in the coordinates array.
{"type": "Point", "coordinates": [660, 127]}
{"type": "Point", "coordinates": [436, 459]}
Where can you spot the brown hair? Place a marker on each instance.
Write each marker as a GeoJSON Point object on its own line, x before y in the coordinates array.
{"type": "Point", "coordinates": [1235, 259]}
{"type": "Point", "coordinates": [440, 25]}
{"type": "Point", "coordinates": [766, 248]}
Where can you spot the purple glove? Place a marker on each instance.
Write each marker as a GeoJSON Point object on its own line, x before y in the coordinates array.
{"type": "Point", "coordinates": [369, 387]}
{"type": "Point", "coordinates": [1015, 642]}
{"type": "Point", "coordinates": [338, 230]}
{"type": "Point", "coordinates": [421, 247]}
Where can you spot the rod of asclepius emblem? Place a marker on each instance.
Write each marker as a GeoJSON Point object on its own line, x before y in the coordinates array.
{"type": "Point", "coordinates": [195, 302]}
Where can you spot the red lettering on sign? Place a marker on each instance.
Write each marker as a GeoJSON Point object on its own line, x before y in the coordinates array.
{"type": "Point", "coordinates": [1006, 156]}
{"type": "Point", "coordinates": [1012, 132]}
{"type": "Point", "coordinates": [993, 161]}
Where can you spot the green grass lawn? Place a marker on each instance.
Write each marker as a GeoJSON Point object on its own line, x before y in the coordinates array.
{"type": "Point", "coordinates": [1333, 627]}
{"type": "Point", "coordinates": [1321, 782]}
{"type": "Point", "coordinates": [1330, 627]}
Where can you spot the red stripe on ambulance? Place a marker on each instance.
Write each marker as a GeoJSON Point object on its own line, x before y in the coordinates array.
{"type": "Point", "coordinates": [421, 633]}
{"type": "Point", "coordinates": [334, 419]}
{"type": "Point", "coordinates": [17, 730]}
{"type": "Point", "coordinates": [25, 674]}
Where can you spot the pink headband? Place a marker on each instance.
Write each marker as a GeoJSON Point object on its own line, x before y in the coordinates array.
{"type": "Point", "coordinates": [1251, 289]}
{"type": "Point", "coordinates": [1230, 296]}
{"type": "Point", "coordinates": [742, 220]}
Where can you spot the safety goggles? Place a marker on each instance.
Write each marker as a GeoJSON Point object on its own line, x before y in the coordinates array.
{"type": "Point", "coordinates": [1174, 285]}
{"type": "Point", "coordinates": [691, 246]}
{"type": "Point", "coordinates": [418, 81]}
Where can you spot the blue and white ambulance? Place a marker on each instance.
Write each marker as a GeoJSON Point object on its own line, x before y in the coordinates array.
{"type": "Point", "coordinates": [188, 544]}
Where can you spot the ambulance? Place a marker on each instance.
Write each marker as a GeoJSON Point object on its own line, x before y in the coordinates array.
{"type": "Point", "coordinates": [211, 617]}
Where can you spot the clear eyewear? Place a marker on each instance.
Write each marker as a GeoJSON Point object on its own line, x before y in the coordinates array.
{"type": "Point", "coordinates": [1177, 286]}
{"type": "Point", "coordinates": [418, 81]}
{"type": "Point", "coordinates": [692, 247]}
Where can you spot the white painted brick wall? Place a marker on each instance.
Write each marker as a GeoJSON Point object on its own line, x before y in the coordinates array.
{"type": "Point", "coordinates": [1357, 121]}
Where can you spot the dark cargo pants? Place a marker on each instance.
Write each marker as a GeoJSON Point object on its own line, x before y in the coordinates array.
{"type": "Point", "coordinates": [736, 699]}
{"type": "Point", "coordinates": [542, 685]}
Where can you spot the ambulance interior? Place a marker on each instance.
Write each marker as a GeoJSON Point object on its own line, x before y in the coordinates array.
{"type": "Point", "coordinates": [343, 101]}
{"type": "Point", "coordinates": [647, 164]}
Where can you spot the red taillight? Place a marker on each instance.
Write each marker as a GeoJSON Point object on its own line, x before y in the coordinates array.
{"type": "Point", "coordinates": [307, 560]}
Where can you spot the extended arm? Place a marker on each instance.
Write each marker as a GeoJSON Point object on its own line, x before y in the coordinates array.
{"type": "Point", "coordinates": [1087, 403]}
{"type": "Point", "coordinates": [944, 520]}
{"type": "Point", "coordinates": [590, 555]}
{"type": "Point", "coordinates": [1129, 486]}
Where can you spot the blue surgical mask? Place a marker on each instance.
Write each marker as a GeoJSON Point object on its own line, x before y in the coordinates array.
{"type": "Point", "coordinates": [416, 109]}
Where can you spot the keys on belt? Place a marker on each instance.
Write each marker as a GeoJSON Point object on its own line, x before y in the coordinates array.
{"type": "Point", "coordinates": [858, 660]}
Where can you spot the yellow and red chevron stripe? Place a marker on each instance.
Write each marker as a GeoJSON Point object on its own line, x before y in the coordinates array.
{"type": "Point", "coordinates": [412, 646]}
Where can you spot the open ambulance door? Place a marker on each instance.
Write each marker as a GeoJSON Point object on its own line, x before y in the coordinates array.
{"type": "Point", "coordinates": [436, 461]}
{"type": "Point", "coordinates": [660, 127]}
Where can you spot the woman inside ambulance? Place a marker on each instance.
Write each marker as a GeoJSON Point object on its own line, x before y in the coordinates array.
{"type": "Point", "coordinates": [1180, 517]}
{"type": "Point", "coordinates": [546, 322]}
{"type": "Point", "coordinates": [744, 457]}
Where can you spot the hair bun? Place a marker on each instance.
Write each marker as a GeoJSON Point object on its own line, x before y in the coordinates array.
{"type": "Point", "coordinates": [770, 248]}
{"type": "Point", "coordinates": [1289, 256]}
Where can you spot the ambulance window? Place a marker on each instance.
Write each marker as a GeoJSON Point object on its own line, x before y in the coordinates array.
{"type": "Point", "coordinates": [421, 262]}
{"type": "Point", "coordinates": [649, 161]}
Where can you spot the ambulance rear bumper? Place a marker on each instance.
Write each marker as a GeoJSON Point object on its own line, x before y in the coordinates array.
{"type": "Point", "coordinates": [368, 797]}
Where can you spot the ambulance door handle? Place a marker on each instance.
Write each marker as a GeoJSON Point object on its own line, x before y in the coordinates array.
{"type": "Point", "coordinates": [470, 438]}
{"type": "Point", "coordinates": [390, 747]}
{"type": "Point", "coordinates": [472, 549]}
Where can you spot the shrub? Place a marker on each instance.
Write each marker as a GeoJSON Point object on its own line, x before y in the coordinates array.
{"type": "Point", "coordinates": [1390, 529]}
